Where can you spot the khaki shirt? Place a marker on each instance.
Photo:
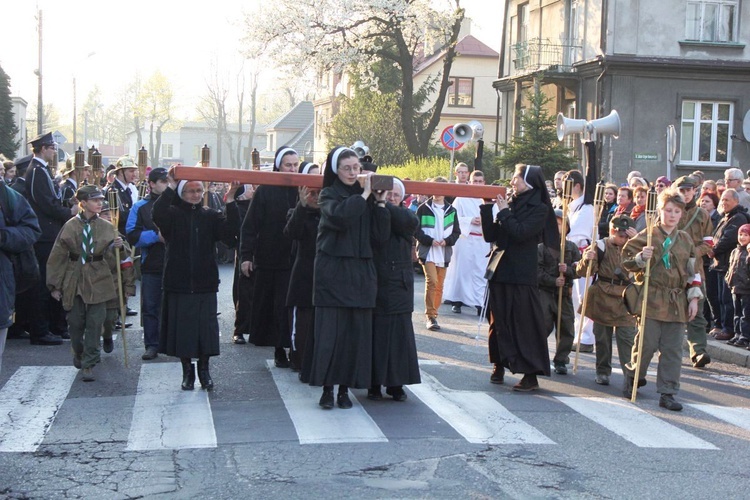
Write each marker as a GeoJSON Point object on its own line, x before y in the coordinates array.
{"type": "Point", "coordinates": [667, 289]}
{"type": "Point", "coordinates": [604, 300]}
{"type": "Point", "coordinates": [700, 230]}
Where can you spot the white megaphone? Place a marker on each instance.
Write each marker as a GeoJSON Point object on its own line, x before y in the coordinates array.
{"type": "Point", "coordinates": [466, 132]}
{"type": "Point", "coordinates": [609, 125]}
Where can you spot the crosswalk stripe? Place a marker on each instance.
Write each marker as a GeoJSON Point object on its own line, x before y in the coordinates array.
{"type": "Point", "coordinates": [735, 416]}
{"type": "Point", "coordinates": [165, 417]}
{"type": "Point", "coordinates": [634, 424]}
{"type": "Point", "coordinates": [29, 402]}
{"type": "Point", "coordinates": [315, 425]}
{"type": "Point", "coordinates": [477, 416]}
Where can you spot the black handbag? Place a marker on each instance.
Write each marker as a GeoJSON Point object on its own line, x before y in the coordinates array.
{"type": "Point", "coordinates": [25, 266]}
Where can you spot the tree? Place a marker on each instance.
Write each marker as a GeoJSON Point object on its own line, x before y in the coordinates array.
{"type": "Point", "coordinates": [536, 143]}
{"type": "Point", "coordinates": [340, 34]}
{"type": "Point", "coordinates": [372, 118]}
{"type": "Point", "coordinates": [153, 106]}
{"type": "Point", "coordinates": [8, 129]}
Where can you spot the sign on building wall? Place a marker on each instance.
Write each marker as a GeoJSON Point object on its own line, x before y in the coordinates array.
{"type": "Point", "coordinates": [646, 156]}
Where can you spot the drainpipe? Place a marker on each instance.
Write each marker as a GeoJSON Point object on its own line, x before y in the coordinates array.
{"type": "Point", "coordinates": [500, 73]}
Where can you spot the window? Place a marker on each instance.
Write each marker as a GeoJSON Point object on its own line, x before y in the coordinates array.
{"type": "Point", "coordinates": [523, 23]}
{"type": "Point", "coordinates": [712, 21]}
{"type": "Point", "coordinates": [167, 151]}
{"type": "Point", "coordinates": [461, 92]}
{"type": "Point", "coordinates": [705, 136]}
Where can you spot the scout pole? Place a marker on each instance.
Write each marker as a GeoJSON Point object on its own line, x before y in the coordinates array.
{"type": "Point", "coordinates": [566, 196]}
{"type": "Point", "coordinates": [115, 221]}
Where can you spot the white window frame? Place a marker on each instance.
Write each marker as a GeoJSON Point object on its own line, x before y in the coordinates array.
{"type": "Point", "coordinates": [719, 22]}
{"type": "Point", "coordinates": [696, 121]}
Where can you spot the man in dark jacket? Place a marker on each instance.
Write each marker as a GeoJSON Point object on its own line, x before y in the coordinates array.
{"type": "Point", "coordinates": [49, 317]}
{"type": "Point", "coordinates": [725, 240]}
{"type": "Point", "coordinates": [19, 229]}
{"type": "Point", "coordinates": [142, 233]}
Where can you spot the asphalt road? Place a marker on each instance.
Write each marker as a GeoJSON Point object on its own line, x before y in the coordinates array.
{"type": "Point", "coordinates": [133, 433]}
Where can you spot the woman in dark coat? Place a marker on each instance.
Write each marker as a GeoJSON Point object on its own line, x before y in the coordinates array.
{"type": "Point", "coordinates": [302, 228]}
{"type": "Point", "coordinates": [345, 282]}
{"type": "Point", "coordinates": [394, 350]}
{"type": "Point", "coordinates": [518, 339]}
{"type": "Point", "coordinates": [189, 327]}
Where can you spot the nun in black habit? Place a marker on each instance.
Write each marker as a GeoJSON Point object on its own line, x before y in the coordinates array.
{"type": "Point", "coordinates": [518, 339]}
{"type": "Point", "coordinates": [189, 327]}
{"type": "Point", "coordinates": [394, 349]}
{"type": "Point", "coordinates": [267, 252]}
{"type": "Point", "coordinates": [345, 282]}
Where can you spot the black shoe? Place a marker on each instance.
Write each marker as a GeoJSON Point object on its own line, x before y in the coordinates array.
{"type": "Point", "coordinates": [343, 401]}
{"type": "Point", "coordinates": [527, 384]}
{"type": "Point", "coordinates": [326, 400]}
{"type": "Point", "coordinates": [63, 335]}
{"type": "Point", "coordinates": [602, 379]}
{"type": "Point", "coordinates": [48, 339]}
{"type": "Point", "coordinates": [280, 359]}
{"type": "Point", "coordinates": [204, 376]}
{"type": "Point", "coordinates": [188, 374]}
{"type": "Point", "coordinates": [667, 401]}
{"type": "Point", "coordinates": [701, 360]}
{"type": "Point", "coordinates": [77, 360]}
{"type": "Point", "coordinates": [118, 325]}
{"type": "Point", "coordinates": [432, 324]}
{"type": "Point", "coordinates": [374, 394]}
{"type": "Point", "coordinates": [498, 375]}
{"type": "Point", "coordinates": [627, 390]}
{"type": "Point", "coordinates": [586, 348]}
{"type": "Point", "coordinates": [108, 345]}
{"type": "Point", "coordinates": [396, 392]}
{"type": "Point", "coordinates": [733, 340]}
{"type": "Point", "coordinates": [239, 339]}
{"type": "Point", "coordinates": [742, 343]}
{"type": "Point", "coordinates": [456, 309]}
{"type": "Point", "coordinates": [151, 353]}
{"type": "Point", "coordinates": [560, 368]}
{"type": "Point", "coordinates": [131, 312]}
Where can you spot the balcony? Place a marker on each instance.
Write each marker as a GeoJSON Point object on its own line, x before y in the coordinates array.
{"type": "Point", "coordinates": [538, 54]}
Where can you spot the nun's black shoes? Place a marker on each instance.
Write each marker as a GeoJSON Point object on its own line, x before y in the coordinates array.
{"type": "Point", "coordinates": [498, 375]}
{"type": "Point", "coordinates": [188, 374]}
{"type": "Point", "coordinates": [527, 384]}
{"type": "Point", "coordinates": [238, 339]}
{"type": "Point", "coordinates": [374, 394]}
{"type": "Point", "coordinates": [203, 375]}
{"type": "Point", "coordinates": [342, 400]}
{"type": "Point", "coordinates": [280, 359]}
{"type": "Point", "coordinates": [396, 392]}
{"type": "Point", "coordinates": [326, 400]}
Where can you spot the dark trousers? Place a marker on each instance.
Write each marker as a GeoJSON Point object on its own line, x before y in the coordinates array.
{"type": "Point", "coordinates": [49, 315]}
{"type": "Point", "coordinates": [713, 307]}
{"type": "Point", "coordinates": [567, 320]}
{"type": "Point", "coordinates": [242, 296]}
{"type": "Point", "coordinates": [151, 308]}
{"type": "Point", "coordinates": [741, 315]}
{"type": "Point", "coordinates": [726, 303]}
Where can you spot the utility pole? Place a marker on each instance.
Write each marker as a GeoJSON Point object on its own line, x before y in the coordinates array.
{"type": "Point", "coordinates": [75, 135]}
{"type": "Point", "coordinates": [39, 103]}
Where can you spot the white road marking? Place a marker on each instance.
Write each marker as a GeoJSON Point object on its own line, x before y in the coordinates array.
{"type": "Point", "coordinates": [315, 425]}
{"type": "Point", "coordinates": [166, 417]}
{"type": "Point", "coordinates": [477, 416]}
{"type": "Point", "coordinates": [735, 416]}
{"type": "Point", "coordinates": [29, 402]}
{"type": "Point", "coordinates": [634, 424]}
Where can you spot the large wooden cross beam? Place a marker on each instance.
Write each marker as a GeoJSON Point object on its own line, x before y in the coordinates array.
{"type": "Point", "coordinates": [211, 174]}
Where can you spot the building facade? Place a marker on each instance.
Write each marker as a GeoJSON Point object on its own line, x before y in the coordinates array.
{"type": "Point", "coordinates": [680, 64]}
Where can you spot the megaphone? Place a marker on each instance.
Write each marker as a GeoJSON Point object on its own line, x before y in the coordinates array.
{"type": "Point", "coordinates": [466, 132]}
{"type": "Point", "coordinates": [360, 148]}
{"type": "Point", "coordinates": [609, 125]}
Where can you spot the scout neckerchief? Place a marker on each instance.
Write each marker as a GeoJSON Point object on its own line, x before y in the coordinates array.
{"type": "Point", "coordinates": [87, 240]}
{"type": "Point", "coordinates": [668, 242]}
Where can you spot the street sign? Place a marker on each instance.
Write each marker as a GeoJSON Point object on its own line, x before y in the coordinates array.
{"type": "Point", "coordinates": [59, 138]}
{"type": "Point", "coordinates": [449, 141]}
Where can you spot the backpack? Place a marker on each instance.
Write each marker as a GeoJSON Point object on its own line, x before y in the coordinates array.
{"type": "Point", "coordinates": [25, 265]}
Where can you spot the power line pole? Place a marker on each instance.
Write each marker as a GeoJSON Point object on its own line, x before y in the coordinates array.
{"type": "Point", "coordinates": [39, 103]}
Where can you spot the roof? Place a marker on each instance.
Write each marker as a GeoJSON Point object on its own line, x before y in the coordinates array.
{"type": "Point", "coordinates": [297, 118]}
{"type": "Point", "coordinates": [468, 46]}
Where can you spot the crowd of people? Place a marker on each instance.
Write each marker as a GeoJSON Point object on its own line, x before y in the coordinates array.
{"type": "Point", "coordinates": [326, 277]}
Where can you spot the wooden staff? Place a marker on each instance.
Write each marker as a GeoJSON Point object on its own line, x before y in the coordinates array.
{"type": "Point", "coordinates": [652, 216]}
{"type": "Point", "coordinates": [598, 209]}
{"type": "Point", "coordinates": [566, 197]}
{"type": "Point", "coordinates": [115, 215]}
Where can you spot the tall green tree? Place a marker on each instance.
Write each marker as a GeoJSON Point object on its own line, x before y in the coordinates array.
{"type": "Point", "coordinates": [8, 129]}
{"type": "Point", "coordinates": [536, 141]}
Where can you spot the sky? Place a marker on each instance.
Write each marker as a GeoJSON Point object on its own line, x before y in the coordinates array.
{"type": "Point", "coordinates": [108, 43]}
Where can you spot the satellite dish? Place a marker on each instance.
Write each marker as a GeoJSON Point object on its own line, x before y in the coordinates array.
{"type": "Point", "coordinates": [746, 126]}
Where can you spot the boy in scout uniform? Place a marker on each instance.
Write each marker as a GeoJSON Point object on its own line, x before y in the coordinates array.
{"type": "Point", "coordinates": [604, 301]}
{"type": "Point", "coordinates": [79, 273]}
{"type": "Point", "coordinates": [696, 222]}
{"type": "Point", "coordinates": [673, 294]}
{"type": "Point", "coordinates": [548, 274]}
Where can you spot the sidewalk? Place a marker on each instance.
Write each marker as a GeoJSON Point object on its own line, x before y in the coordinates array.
{"type": "Point", "coordinates": [720, 351]}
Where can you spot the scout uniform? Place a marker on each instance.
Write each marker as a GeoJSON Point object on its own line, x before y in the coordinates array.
{"type": "Point", "coordinates": [83, 273]}
{"type": "Point", "coordinates": [604, 302]}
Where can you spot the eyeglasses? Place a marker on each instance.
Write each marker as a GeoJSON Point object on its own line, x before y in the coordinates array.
{"type": "Point", "coordinates": [348, 168]}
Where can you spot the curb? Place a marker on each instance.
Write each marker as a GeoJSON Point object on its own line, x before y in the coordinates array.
{"type": "Point", "coordinates": [720, 351]}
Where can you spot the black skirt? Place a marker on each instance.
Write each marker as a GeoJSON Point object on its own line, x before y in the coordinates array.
{"type": "Point", "coordinates": [269, 321]}
{"type": "Point", "coordinates": [302, 321]}
{"type": "Point", "coordinates": [518, 340]}
{"type": "Point", "coordinates": [394, 351]}
{"type": "Point", "coordinates": [342, 351]}
{"type": "Point", "coordinates": [189, 326]}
